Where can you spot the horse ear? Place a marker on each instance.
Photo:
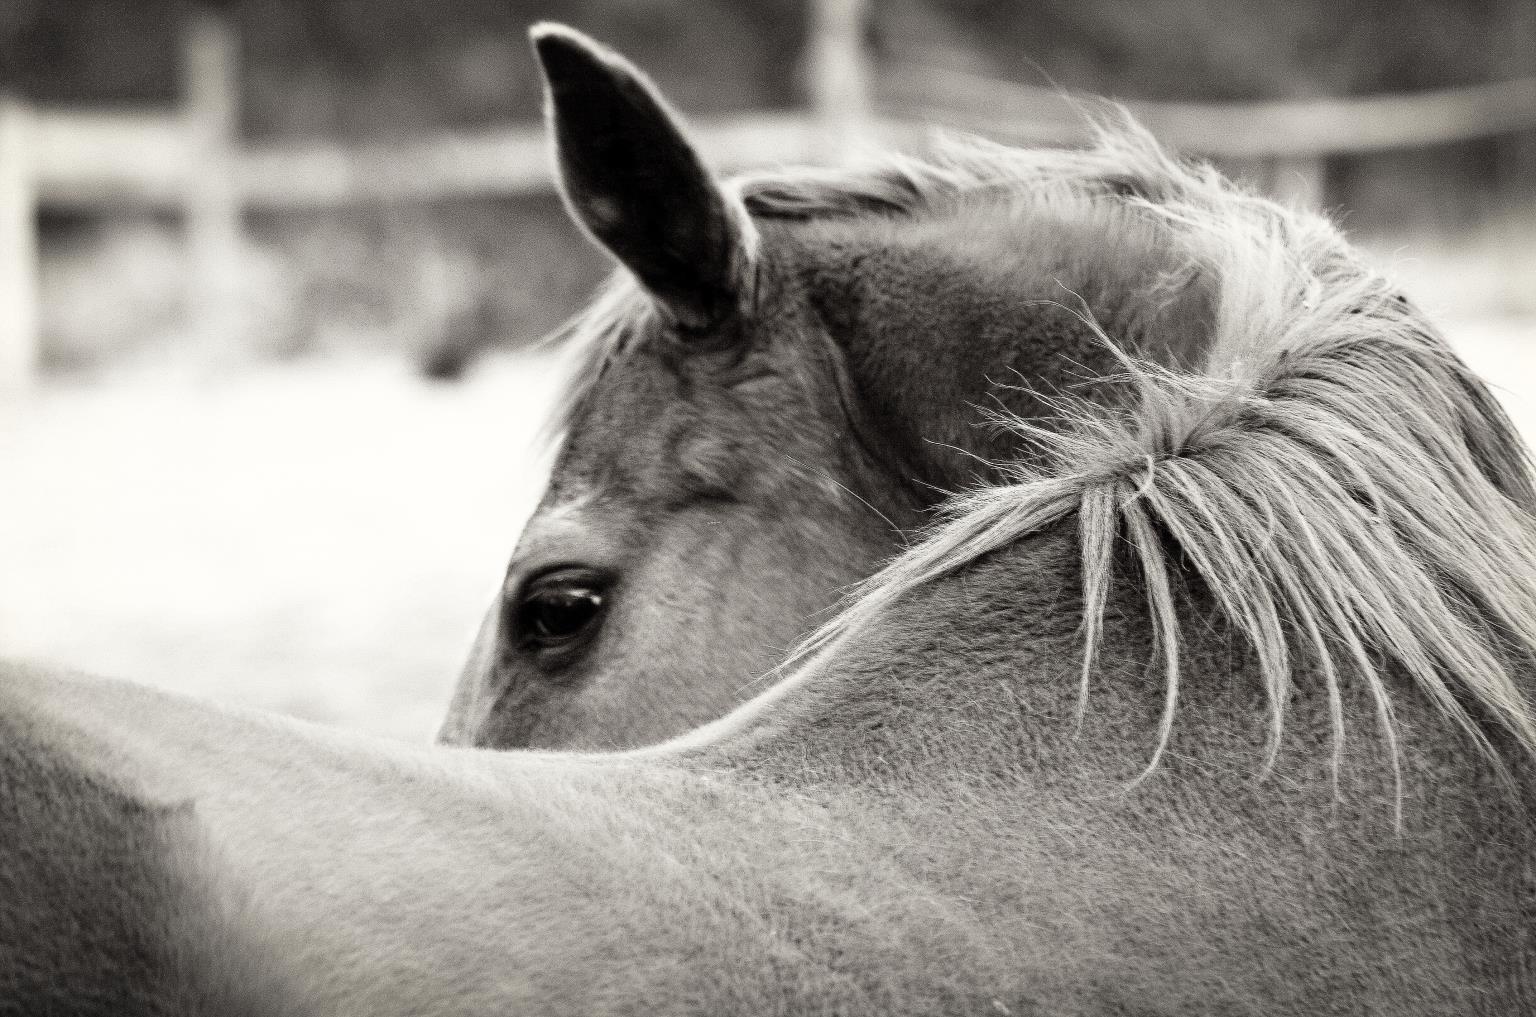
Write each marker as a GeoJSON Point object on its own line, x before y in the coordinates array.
{"type": "Point", "coordinates": [632, 180]}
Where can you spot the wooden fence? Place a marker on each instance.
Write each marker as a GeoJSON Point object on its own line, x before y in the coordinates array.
{"type": "Point", "coordinates": [192, 160]}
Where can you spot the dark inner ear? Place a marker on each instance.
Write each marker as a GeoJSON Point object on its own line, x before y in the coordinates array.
{"type": "Point", "coordinates": [631, 178]}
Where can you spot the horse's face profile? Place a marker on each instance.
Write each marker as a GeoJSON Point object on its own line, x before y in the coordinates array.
{"type": "Point", "coordinates": [711, 494]}
{"type": "Point", "coordinates": [784, 377]}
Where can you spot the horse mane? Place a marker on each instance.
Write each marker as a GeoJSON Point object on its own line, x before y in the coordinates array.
{"type": "Point", "coordinates": [1349, 493]}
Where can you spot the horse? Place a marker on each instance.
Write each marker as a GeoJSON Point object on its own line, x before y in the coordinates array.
{"type": "Point", "coordinates": [1216, 702]}
{"type": "Point", "coordinates": [780, 384]}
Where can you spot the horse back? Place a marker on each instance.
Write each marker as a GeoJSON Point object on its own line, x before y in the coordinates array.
{"type": "Point", "coordinates": [100, 906]}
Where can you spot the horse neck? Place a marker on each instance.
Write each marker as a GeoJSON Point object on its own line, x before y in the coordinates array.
{"type": "Point", "coordinates": [959, 714]}
{"type": "Point", "coordinates": [996, 308]}
{"type": "Point", "coordinates": [977, 675]}
{"type": "Point", "coordinates": [971, 676]}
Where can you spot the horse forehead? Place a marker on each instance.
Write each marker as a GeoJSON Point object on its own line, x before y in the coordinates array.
{"type": "Point", "coordinates": [660, 428]}
{"type": "Point", "coordinates": [577, 520]}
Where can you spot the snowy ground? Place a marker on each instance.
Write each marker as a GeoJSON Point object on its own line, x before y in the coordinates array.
{"type": "Point", "coordinates": [319, 539]}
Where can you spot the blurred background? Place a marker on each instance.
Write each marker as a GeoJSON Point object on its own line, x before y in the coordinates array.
{"type": "Point", "coordinates": [271, 270]}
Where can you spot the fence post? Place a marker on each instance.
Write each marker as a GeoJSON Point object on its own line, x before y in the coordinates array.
{"type": "Point", "coordinates": [211, 80]}
{"type": "Point", "coordinates": [1518, 150]}
{"type": "Point", "coordinates": [1514, 199]}
{"type": "Point", "coordinates": [839, 78]}
{"type": "Point", "coordinates": [18, 254]}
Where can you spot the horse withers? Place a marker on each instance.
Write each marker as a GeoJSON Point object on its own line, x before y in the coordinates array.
{"type": "Point", "coordinates": [784, 378]}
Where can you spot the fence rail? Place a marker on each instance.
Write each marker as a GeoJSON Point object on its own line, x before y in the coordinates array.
{"type": "Point", "coordinates": [1230, 130]}
{"type": "Point", "coordinates": [192, 160]}
{"type": "Point", "coordinates": [91, 160]}
{"type": "Point", "coordinates": [95, 159]}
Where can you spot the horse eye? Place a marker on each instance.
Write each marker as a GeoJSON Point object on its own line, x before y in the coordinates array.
{"type": "Point", "coordinates": [558, 609]}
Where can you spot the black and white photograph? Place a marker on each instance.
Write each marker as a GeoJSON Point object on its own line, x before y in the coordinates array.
{"type": "Point", "coordinates": [1004, 508]}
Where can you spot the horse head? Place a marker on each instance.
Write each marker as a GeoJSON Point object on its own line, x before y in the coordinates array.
{"type": "Point", "coordinates": [780, 382]}
{"type": "Point", "coordinates": [705, 499]}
